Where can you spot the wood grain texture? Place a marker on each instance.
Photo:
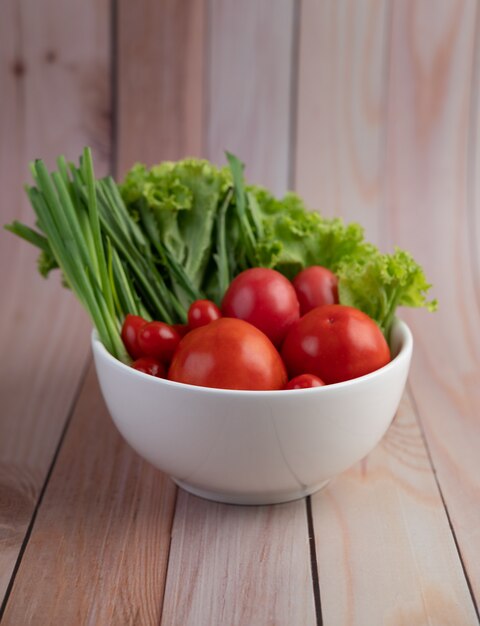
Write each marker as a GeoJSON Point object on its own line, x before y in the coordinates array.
{"type": "Point", "coordinates": [238, 565]}
{"type": "Point", "coordinates": [473, 179]}
{"type": "Point", "coordinates": [54, 99]}
{"type": "Point", "coordinates": [416, 149]}
{"type": "Point", "coordinates": [341, 109]}
{"type": "Point", "coordinates": [250, 82]}
{"type": "Point", "coordinates": [386, 555]}
{"type": "Point", "coordinates": [386, 123]}
{"type": "Point", "coordinates": [99, 547]}
{"type": "Point", "coordinates": [432, 195]}
{"type": "Point", "coordinates": [160, 80]}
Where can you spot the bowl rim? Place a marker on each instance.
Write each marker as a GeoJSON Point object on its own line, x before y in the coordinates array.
{"type": "Point", "coordinates": [404, 352]}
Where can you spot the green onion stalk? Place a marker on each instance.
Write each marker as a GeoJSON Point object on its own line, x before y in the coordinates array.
{"type": "Point", "coordinates": [85, 230]}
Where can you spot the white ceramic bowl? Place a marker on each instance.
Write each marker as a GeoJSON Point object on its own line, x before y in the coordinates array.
{"type": "Point", "coordinates": [253, 447]}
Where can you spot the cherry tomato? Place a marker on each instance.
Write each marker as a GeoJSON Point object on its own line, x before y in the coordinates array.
{"type": "Point", "coordinates": [304, 381]}
{"type": "Point", "coordinates": [202, 312]}
{"type": "Point", "coordinates": [130, 328]}
{"type": "Point", "coordinates": [149, 365]}
{"type": "Point", "coordinates": [159, 340]}
{"type": "Point", "coordinates": [228, 354]}
{"type": "Point", "coordinates": [182, 329]}
{"type": "Point", "coordinates": [336, 343]}
{"type": "Point", "coordinates": [315, 286]}
{"type": "Point", "coordinates": [264, 298]}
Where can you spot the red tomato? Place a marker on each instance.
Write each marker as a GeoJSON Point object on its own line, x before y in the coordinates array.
{"type": "Point", "coordinates": [335, 343]}
{"type": "Point", "coordinates": [182, 329]}
{"type": "Point", "coordinates": [228, 354]}
{"type": "Point", "coordinates": [304, 381]}
{"type": "Point", "coordinates": [264, 298]}
{"type": "Point", "coordinates": [130, 328]}
{"type": "Point", "coordinates": [149, 365]}
{"type": "Point", "coordinates": [159, 340]}
{"type": "Point", "coordinates": [202, 312]}
{"type": "Point", "coordinates": [315, 286]}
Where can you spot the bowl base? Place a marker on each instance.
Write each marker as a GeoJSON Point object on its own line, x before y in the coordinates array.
{"type": "Point", "coordinates": [250, 498]}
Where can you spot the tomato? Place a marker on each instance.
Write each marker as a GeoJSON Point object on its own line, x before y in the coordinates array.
{"type": "Point", "coordinates": [336, 343]}
{"type": "Point", "coordinates": [202, 312]}
{"type": "Point", "coordinates": [149, 365]}
{"type": "Point", "coordinates": [304, 381]}
{"type": "Point", "coordinates": [228, 354]}
{"type": "Point", "coordinates": [130, 328]}
{"type": "Point", "coordinates": [159, 340]}
{"type": "Point", "coordinates": [315, 286]}
{"type": "Point", "coordinates": [182, 329]}
{"type": "Point", "coordinates": [264, 298]}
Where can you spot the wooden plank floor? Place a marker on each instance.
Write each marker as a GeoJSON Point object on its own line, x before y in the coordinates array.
{"type": "Point", "coordinates": [54, 98]}
{"type": "Point", "coordinates": [372, 111]}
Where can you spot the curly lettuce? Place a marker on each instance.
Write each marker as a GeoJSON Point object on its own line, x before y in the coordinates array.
{"type": "Point", "coordinates": [296, 238]}
{"type": "Point", "coordinates": [379, 283]}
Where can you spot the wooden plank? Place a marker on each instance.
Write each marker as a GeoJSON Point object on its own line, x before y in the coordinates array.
{"type": "Point", "coordinates": [433, 202]}
{"type": "Point", "coordinates": [250, 79]}
{"type": "Point", "coordinates": [99, 548]}
{"type": "Point", "coordinates": [385, 551]}
{"type": "Point", "coordinates": [399, 562]}
{"type": "Point", "coordinates": [160, 79]}
{"type": "Point", "coordinates": [54, 100]}
{"type": "Point", "coordinates": [238, 565]}
{"type": "Point", "coordinates": [341, 109]}
{"type": "Point", "coordinates": [473, 180]}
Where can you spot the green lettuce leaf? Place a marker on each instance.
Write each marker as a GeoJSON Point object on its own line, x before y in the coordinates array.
{"type": "Point", "coordinates": [295, 238]}
{"type": "Point", "coordinates": [379, 283]}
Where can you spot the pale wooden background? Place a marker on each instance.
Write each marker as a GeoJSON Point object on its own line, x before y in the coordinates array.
{"type": "Point", "coordinates": [370, 109]}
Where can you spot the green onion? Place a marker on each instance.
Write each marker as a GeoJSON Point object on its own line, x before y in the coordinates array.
{"type": "Point", "coordinates": [248, 237]}
{"type": "Point", "coordinates": [86, 230]}
{"type": "Point", "coordinates": [221, 257]}
{"type": "Point", "coordinates": [30, 235]}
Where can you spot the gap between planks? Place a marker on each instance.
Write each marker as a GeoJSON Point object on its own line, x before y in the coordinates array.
{"type": "Point", "coordinates": [313, 561]}
{"type": "Point", "coordinates": [239, 565]}
{"type": "Point", "coordinates": [26, 539]}
{"type": "Point", "coordinates": [98, 549]}
{"type": "Point", "coordinates": [442, 497]}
